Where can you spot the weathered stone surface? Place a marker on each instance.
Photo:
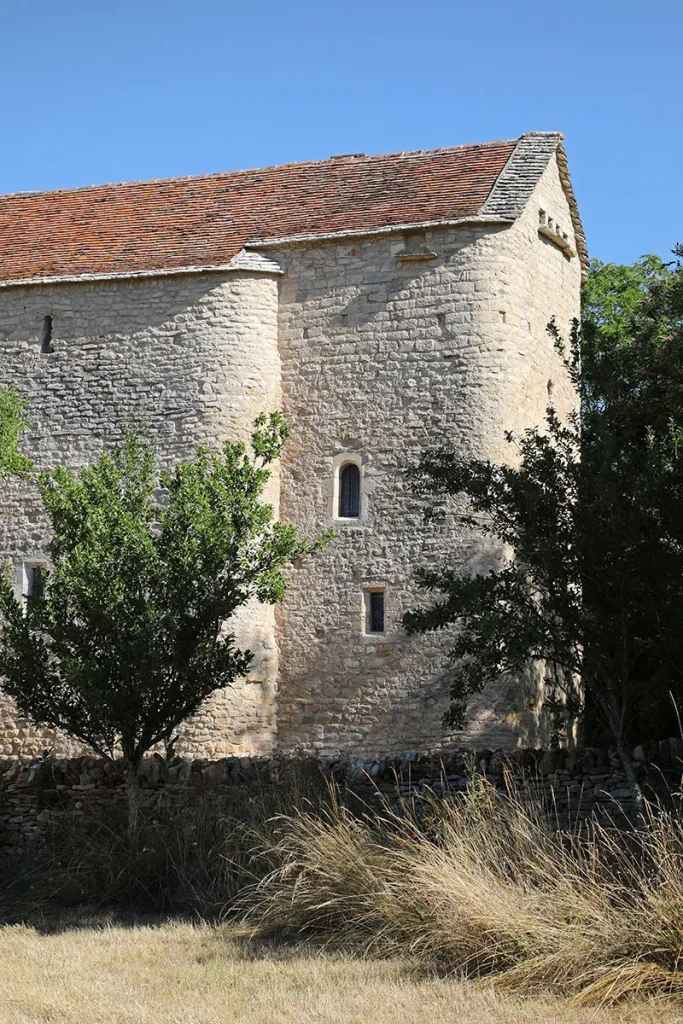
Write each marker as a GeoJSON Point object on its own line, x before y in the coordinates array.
{"type": "Point", "coordinates": [194, 357]}
{"type": "Point", "coordinates": [551, 761]}
{"type": "Point", "coordinates": [369, 357]}
{"type": "Point", "coordinates": [381, 359]}
{"type": "Point", "coordinates": [33, 802]}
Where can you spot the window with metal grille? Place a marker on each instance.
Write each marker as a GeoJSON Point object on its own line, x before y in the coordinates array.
{"type": "Point", "coordinates": [374, 611]}
{"type": "Point", "coordinates": [349, 491]}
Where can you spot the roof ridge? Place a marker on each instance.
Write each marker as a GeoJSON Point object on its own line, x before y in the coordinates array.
{"type": "Point", "coordinates": [557, 135]}
{"type": "Point", "coordinates": [351, 158]}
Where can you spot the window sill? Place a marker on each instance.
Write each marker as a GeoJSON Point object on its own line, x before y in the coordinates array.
{"type": "Point", "coordinates": [416, 257]}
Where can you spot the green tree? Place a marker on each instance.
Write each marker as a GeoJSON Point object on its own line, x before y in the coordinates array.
{"type": "Point", "coordinates": [128, 637]}
{"type": "Point", "coordinates": [13, 422]}
{"type": "Point", "coordinates": [593, 511]}
{"type": "Point", "coordinates": [612, 299]}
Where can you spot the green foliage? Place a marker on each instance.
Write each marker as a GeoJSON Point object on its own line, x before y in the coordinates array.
{"type": "Point", "coordinates": [593, 511]}
{"type": "Point", "coordinates": [613, 295]}
{"type": "Point", "coordinates": [13, 422]}
{"type": "Point", "coordinates": [128, 638]}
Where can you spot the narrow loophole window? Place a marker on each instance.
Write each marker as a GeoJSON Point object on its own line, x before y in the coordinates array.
{"type": "Point", "coordinates": [46, 336]}
{"type": "Point", "coordinates": [349, 492]}
{"type": "Point", "coordinates": [374, 611]}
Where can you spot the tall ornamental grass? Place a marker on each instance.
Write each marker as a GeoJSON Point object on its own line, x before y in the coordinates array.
{"type": "Point", "coordinates": [481, 886]}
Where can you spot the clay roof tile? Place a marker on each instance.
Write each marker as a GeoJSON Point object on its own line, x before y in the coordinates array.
{"type": "Point", "coordinates": [183, 223]}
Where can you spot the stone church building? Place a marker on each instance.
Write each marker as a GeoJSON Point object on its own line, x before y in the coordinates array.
{"type": "Point", "coordinates": [385, 304]}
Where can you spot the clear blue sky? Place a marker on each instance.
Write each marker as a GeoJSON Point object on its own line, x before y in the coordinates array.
{"type": "Point", "coordinates": [97, 91]}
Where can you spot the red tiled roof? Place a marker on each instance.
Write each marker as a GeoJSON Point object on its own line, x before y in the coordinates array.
{"type": "Point", "coordinates": [180, 223]}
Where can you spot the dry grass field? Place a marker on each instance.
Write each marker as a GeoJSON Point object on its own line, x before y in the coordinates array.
{"type": "Point", "coordinates": [180, 974]}
{"type": "Point", "coordinates": [471, 911]}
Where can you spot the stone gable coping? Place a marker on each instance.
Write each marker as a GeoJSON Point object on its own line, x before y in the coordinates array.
{"type": "Point", "coordinates": [516, 182]}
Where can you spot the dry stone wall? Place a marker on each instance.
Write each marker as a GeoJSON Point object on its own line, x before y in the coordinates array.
{"type": "Point", "coordinates": [36, 796]}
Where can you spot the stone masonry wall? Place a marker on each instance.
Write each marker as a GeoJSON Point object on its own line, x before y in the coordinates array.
{"type": "Point", "coordinates": [381, 359]}
{"type": "Point", "coordinates": [194, 358]}
{"type": "Point", "coordinates": [370, 357]}
{"type": "Point", "coordinates": [36, 796]}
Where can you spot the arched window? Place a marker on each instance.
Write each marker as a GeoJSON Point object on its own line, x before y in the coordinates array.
{"type": "Point", "coordinates": [349, 491]}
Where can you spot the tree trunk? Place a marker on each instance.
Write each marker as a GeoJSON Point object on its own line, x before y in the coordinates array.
{"type": "Point", "coordinates": [133, 794]}
{"type": "Point", "coordinates": [626, 759]}
{"type": "Point", "coordinates": [615, 722]}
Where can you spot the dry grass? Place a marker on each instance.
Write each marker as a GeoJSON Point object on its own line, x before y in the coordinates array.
{"type": "Point", "coordinates": [191, 861]}
{"type": "Point", "coordinates": [180, 974]}
{"type": "Point", "coordinates": [482, 887]}
{"type": "Point", "coordinates": [405, 917]}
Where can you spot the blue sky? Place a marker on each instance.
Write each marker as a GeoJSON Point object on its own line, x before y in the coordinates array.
{"type": "Point", "coordinates": [97, 92]}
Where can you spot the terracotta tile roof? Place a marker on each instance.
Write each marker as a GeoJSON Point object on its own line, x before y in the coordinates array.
{"type": "Point", "coordinates": [204, 221]}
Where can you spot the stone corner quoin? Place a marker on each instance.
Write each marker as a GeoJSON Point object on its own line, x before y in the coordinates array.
{"type": "Point", "coordinates": [376, 340]}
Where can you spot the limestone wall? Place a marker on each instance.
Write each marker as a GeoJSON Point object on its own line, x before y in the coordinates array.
{"type": "Point", "coordinates": [372, 358]}
{"type": "Point", "coordinates": [382, 358]}
{"type": "Point", "coordinates": [194, 358]}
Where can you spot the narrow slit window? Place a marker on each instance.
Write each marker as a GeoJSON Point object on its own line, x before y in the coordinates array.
{"type": "Point", "coordinates": [349, 492]}
{"type": "Point", "coordinates": [374, 611]}
{"type": "Point", "coordinates": [46, 336]}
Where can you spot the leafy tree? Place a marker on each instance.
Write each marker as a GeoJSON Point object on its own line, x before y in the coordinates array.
{"type": "Point", "coordinates": [129, 636]}
{"type": "Point", "coordinates": [613, 296]}
{"type": "Point", "coordinates": [593, 512]}
{"type": "Point", "coordinates": [13, 422]}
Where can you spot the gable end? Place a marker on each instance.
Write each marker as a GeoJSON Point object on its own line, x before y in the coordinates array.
{"type": "Point", "coordinates": [515, 183]}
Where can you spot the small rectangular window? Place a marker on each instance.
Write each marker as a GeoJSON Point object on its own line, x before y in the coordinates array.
{"type": "Point", "coordinates": [34, 580]}
{"type": "Point", "coordinates": [374, 611]}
